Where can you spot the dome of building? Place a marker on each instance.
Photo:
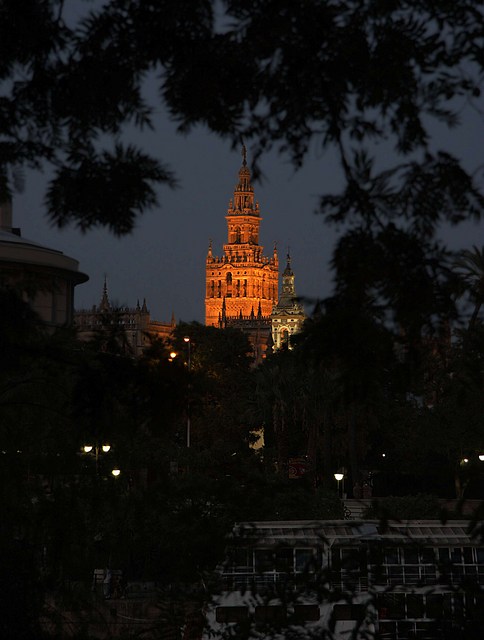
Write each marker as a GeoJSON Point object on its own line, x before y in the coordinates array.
{"type": "Point", "coordinates": [44, 277]}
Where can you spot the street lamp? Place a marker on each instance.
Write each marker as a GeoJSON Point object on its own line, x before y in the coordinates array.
{"type": "Point", "coordinates": [189, 364]}
{"type": "Point", "coordinates": [103, 448]}
{"type": "Point", "coordinates": [97, 449]}
{"type": "Point", "coordinates": [340, 477]}
{"type": "Point", "coordinates": [187, 340]}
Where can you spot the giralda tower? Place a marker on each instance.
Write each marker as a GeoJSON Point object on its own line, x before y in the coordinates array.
{"type": "Point", "coordinates": [243, 283]}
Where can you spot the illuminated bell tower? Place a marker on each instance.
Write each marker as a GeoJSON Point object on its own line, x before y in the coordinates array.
{"type": "Point", "coordinates": [243, 283]}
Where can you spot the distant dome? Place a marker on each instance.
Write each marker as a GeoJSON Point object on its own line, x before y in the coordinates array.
{"type": "Point", "coordinates": [45, 277]}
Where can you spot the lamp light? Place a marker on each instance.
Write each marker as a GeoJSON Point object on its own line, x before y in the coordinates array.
{"type": "Point", "coordinates": [339, 476]}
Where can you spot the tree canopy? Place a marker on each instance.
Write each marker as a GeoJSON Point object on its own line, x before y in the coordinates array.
{"type": "Point", "coordinates": [363, 76]}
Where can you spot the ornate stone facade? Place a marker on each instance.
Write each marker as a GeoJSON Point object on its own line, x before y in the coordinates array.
{"type": "Point", "coordinates": [132, 327]}
{"type": "Point", "coordinates": [242, 285]}
{"type": "Point", "coordinates": [288, 314]}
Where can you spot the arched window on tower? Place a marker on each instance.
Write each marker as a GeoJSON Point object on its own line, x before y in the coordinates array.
{"type": "Point", "coordinates": [236, 235]}
{"type": "Point", "coordinates": [229, 285]}
{"type": "Point", "coordinates": [219, 289]}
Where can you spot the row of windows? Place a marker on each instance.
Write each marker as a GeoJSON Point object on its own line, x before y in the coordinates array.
{"type": "Point", "coordinates": [283, 558]}
{"type": "Point", "coordinates": [256, 256]}
{"type": "Point", "coordinates": [236, 236]}
{"type": "Point", "coordinates": [423, 630]}
{"type": "Point", "coordinates": [259, 560]}
{"type": "Point", "coordinates": [229, 274]}
{"type": "Point", "coordinates": [434, 606]}
{"type": "Point", "coordinates": [103, 322]}
{"type": "Point", "coordinates": [410, 565]}
{"type": "Point", "coordinates": [230, 257]}
{"type": "Point", "coordinates": [229, 281]}
{"type": "Point", "coordinates": [355, 568]}
{"type": "Point", "coordinates": [241, 289]}
{"type": "Point", "coordinates": [428, 555]}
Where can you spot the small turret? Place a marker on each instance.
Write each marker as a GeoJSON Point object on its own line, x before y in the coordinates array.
{"type": "Point", "coordinates": [105, 305]}
{"type": "Point", "coordinates": [288, 314]}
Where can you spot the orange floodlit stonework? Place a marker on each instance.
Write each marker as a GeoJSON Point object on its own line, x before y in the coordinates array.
{"type": "Point", "coordinates": [243, 283]}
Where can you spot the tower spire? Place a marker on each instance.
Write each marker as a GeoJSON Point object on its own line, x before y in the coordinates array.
{"type": "Point", "coordinates": [104, 306]}
{"type": "Point", "coordinates": [243, 201]}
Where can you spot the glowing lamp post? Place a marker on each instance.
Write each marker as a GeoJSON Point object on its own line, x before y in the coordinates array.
{"type": "Point", "coordinates": [104, 448]}
{"type": "Point", "coordinates": [96, 449]}
{"type": "Point", "coordinates": [187, 340]}
{"type": "Point", "coordinates": [189, 364]}
{"type": "Point", "coordinates": [340, 478]}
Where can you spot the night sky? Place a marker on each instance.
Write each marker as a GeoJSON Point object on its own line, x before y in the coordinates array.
{"type": "Point", "coordinates": [163, 260]}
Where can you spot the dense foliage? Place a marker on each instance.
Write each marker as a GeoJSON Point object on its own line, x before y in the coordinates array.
{"type": "Point", "coordinates": [366, 78]}
{"type": "Point", "coordinates": [387, 365]}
